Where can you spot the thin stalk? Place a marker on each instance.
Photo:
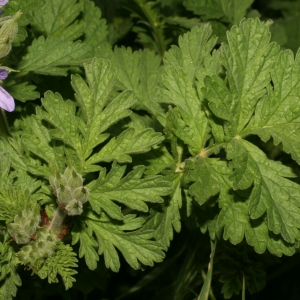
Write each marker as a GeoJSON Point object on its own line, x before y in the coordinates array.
{"type": "Point", "coordinates": [205, 291]}
{"type": "Point", "coordinates": [4, 129]}
{"type": "Point", "coordinates": [57, 220]}
{"type": "Point", "coordinates": [244, 289]}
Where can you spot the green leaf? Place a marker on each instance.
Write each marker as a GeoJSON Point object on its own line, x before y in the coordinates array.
{"type": "Point", "coordinates": [9, 278]}
{"type": "Point", "coordinates": [85, 131]}
{"type": "Point", "coordinates": [241, 267]}
{"type": "Point", "coordinates": [61, 114]}
{"type": "Point", "coordinates": [10, 157]}
{"type": "Point", "coordinates": [155, 160]}
{"type": "Point", "coordinates": [28, 8]}
{"type": "Point", "coordinates": [261, 238]}
{"type": "Point", "coordinates": [128, 142]}
{"type": "Point", "coordinates": [288, 23]}
{"type": "Point", "coordinates": [60, 263]}
{"type": "Point", "coordinates": [87, 245]}
{"type": "Point", "coordinates": [235, 218]}
{"type": "Point", "coordinates": [230, 10]}
{"type": "Point", "coordinates": [37, 140]}
{"type": "Point", "coordinates": [247, 59]}
{"type": "Point", "coordinates": [278, 114]}
{"type": "Point", "coordinates": [272, 192]}
{"type": "Point", "coordinates": [205, 173]}
{"type": "Point", "coordinates": [136, 247]}
{"type": "Point", "coordinates": [56, 18]}
{"type": "Point", "coordinates": [55, 54]}
{"type": "Point", "coordinates": [139, 71]}
{"type": "Point", "coordinates": [164, 218]}
{"type": "Point", "coordinates": [99, 115]}
{"type": "Point", "coordinates": [94, 42]}
{"type": "Point", "coordinates": [152, 35]}
{"type": "Point", "coordinates": [50, 56]}
{"type": "Point", "coordinates": [182, 65]}
{"type": "Point", "coordinates": [23, 91]}
{"type": "Point", "coordinates": [131, 190]}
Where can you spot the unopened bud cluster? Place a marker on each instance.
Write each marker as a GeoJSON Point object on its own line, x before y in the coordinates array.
{"type": "Point", "coordinates": [25, 224]}
{"type": "Point", "coordinates": [34, 254]}
{"type": "Point", "coordinates": [8, 32]}
{"type": "Point", "coordinates": [70, 192]}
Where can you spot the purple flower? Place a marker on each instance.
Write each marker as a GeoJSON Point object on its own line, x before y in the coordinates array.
{"type": "Point", "coordinates": [6, 100]}
{"type": "Point", "coordinates": [3, 2]}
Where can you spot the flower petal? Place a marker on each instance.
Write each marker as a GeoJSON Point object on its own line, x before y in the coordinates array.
{"type": "Point", "coordinates": [3, 2]}
{"type": "Point", "coordinates": [3, 73]}
{"type": "Point", "coordinates": [7, 102]}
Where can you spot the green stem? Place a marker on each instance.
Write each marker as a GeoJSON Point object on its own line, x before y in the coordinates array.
{"type": "Point", "coordinates": [4, 129]}
{"type": "Point", "coordinates": [205, 291]}
{"type": "Point", "coordinates": [57, 220]}
{"type": "Point", "coordinates": [157, 35]}
{"type": "Point", "coordinates": [20, 74]}
{"type": "Point", "coordinates": [244, 288]}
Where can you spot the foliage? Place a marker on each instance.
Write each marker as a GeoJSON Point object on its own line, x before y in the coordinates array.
{"type": "Point", "coordinates": [147, 136]}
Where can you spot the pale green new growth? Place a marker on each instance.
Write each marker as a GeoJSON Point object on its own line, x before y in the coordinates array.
{"type": "Point", "coordinates": [61, 263]}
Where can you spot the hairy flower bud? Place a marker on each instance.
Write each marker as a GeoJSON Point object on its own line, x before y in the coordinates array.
{"type": "Point", "coordinates": [70, 192]}
{"type": "Point", "coordinates": [25, 224]}
{"type": "Point", "coordinates": [38, 250]}
{"type": "Point", "coordinates": [8, 32]}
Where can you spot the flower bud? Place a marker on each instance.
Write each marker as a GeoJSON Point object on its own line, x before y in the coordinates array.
{"type": "Point", "coordinates": [69, 190]}
{"type": "Point", "coordinates": [25, 223]}
{"type": "Point", "coordinates": [38, 250]}
{"type": "Point", "coordinates": [8, 32]}
{"type": "Point", "coordinates": [74, 208]}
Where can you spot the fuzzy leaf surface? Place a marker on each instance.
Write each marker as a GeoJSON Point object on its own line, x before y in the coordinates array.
{"type": "Point", "coordinates": [182, 65]}
{"type": "Point", "coordinates": [28, 7]}
{"type": "Point", "coordinates": [50, 56]}
{"type": "Point", "coordinates": [128, 142]}
{"type": "Point", "coordinates": [133, 190]}
{"type": "Point", "coordinates": [87, 245]}
{"type": "Point", "coordinates": [9, 278]}
{"type": "Point", "coordinates": [247, 58]}
{"type": "Point", "coordinates": [61, 263]}
{"type": "Point", "coordinates": [86, 131]}
{"type": "Point", "coordinates": [56, 18]}
{"type": "Point", "coordinates": [140, 71]}
{"type": "Point", "coordinates": [136, 247]}
{"type": "Point", "coordinates": [204, 172]}
{"type": "Point", "coordinates": [278, 114]}
{"type": "Point", "coordinates": [235, 218]}
{"type": "Point", "coordinates": [23, 91]}
{"type": "Point", "coordinates": [272, 193]}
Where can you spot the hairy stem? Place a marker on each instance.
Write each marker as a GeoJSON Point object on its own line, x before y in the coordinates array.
{"type": "Point", "coordinates": [4, 129]}
{"type": "Point", "coordinates": [57, 220]}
